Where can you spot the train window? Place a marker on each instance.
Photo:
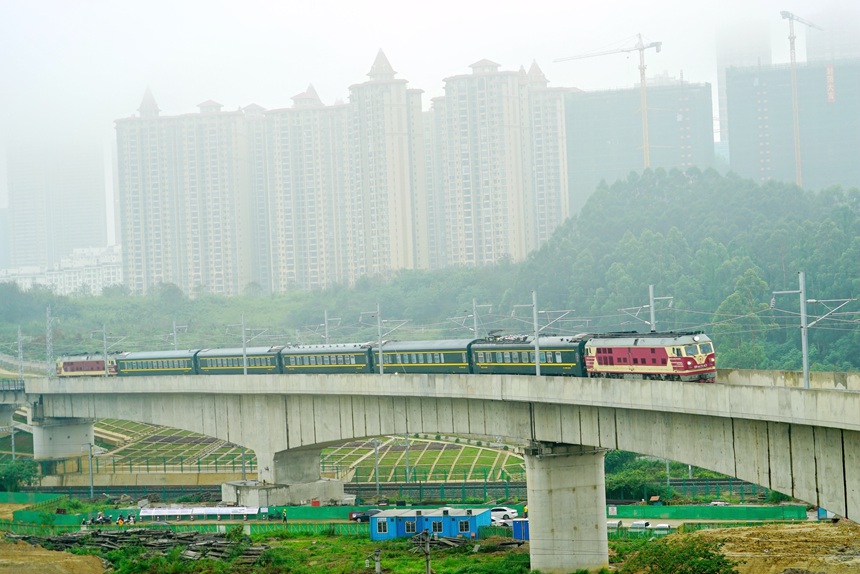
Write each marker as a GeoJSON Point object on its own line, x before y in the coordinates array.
{"type": "Point", "coordinates": [558, 356]}
{"type": "Point", "coordinates": [340, 359]}
{"type": "Point", "coordinates": [498, 356]}
{"type": "Point", "coordinates": [413, 358]}
{"type": "Point", "coordinates": [653, 350]}
{"type": "Point", "coordinates": [662, 361]}
{"type": "Point", "coordinates": [706, 348]}
{"type": "Point", "coordinates": [292, 361]}
{"type": "Point", "coordinates": [549, 357]}
{"type": "Point", "coordinates": [439, 358]}
{"type": "Point", "coordinates": [352, 359]}
{"type": "Point", "coordinates": [463, 357]}
{"type": "Point", "coordinates": [532, 357]}
{"type": "Point", "coordinates": [691, 350]}
{"type": "Point", "coordinates": [325, 359]}
{"type": "Point", "coordinates": [543, 357]}
{"type": "Point", "coordinates": [507, 357]}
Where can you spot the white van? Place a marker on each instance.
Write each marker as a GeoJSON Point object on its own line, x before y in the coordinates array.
{"type": "Point", "coordinates": [613, 524]}
{"type": "Point", "coordinates": [639, 525]}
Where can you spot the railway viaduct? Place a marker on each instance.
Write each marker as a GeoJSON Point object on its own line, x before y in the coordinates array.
{"type": "Point", "coordinates": [801, 442]}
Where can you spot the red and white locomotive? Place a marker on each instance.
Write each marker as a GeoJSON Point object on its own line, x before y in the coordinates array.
{"type": "Point", "coordinates": [683, 356]}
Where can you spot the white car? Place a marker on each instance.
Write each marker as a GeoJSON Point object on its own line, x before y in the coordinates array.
{"type": "Point", "coordinates": [501, 522]}
{"type": "Point", "coordinates": [503, 512]}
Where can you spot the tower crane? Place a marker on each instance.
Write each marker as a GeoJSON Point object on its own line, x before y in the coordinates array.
{"type": "Point", "coordinates": [792, 18]}
{"type": "Point", "coordinates": [640, 47]}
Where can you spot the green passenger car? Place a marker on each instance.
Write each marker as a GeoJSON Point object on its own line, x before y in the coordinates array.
{"type": "Point", "coordinates": [450, 356]}
{"type": "Point", "coordinates": [332, 359]}
{"type": "Point", "coordinates": [157, 363]}
{"type": "Point", "coordinates": [256, 360]}
{"type": "Point", "coordinates": [515, 355]}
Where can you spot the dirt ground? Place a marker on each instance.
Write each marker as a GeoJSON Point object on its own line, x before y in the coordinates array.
{"type": "Point", "coordinates": [805, 548]}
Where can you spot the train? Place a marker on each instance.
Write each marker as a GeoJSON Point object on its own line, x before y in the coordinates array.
{"type": "Point", "coordinates": [674, 356]}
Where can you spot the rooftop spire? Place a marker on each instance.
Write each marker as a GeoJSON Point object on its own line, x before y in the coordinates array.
{"type": "Point", "coordinates": [148, 108]}
{"type": "Point", "coordinates": [381, 69]}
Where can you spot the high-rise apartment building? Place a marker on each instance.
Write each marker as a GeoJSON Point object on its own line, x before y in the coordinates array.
{"type": "Point", "coordinates": [184, 186]}
{"type": "Point", "coordinates": [761, 114]}
{"type": "Point", "coordinates": [56, 201]}
{"type": "Point", "coordinates": [380, 233]}
{"type": "Point", "coordinates": [499, 162]}
{"type": "Point", "coordinates": [605, 139]}
{"type": "Point", "coordinates": [308, 194]}
{"type": "Point", "coordinates": [550, 199]}
{"type": "Point", "coordinates": [742, 44]}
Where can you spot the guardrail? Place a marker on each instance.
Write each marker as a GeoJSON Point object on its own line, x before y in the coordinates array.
{"type": "Point", "coordinates": [11, 385]}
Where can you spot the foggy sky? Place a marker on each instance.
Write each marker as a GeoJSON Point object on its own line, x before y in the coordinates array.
{"type": "Point", "coordinates": [70, 68]}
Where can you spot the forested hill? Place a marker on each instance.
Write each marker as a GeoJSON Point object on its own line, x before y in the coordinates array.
{"type": "Point", "coordinates": [717, 245]}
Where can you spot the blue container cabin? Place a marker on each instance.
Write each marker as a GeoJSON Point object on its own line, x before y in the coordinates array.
{"type": "Point", "coordinates": [449, 522]}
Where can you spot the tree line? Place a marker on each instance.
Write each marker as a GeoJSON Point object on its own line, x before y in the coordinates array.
{"type": "Point", "coordinates": [714, 246]}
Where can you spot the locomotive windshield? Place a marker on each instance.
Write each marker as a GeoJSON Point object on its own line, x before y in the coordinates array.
{"type": "Point", "coordinates": [706, 348]}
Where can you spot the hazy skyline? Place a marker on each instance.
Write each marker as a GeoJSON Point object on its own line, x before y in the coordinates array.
{"type": "Point", "coordinates": [75, 67]}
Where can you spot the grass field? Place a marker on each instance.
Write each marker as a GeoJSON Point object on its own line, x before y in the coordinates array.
{"type": "Point", "coordinates": [131, 447]}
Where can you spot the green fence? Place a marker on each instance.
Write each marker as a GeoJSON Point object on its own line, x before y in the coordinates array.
{"type": "Point", "coordinates": [28, 497]}
{"type": "Point", "coordinates": [420, 474]}
{"type": "Point", "coordinates": [707, 512]}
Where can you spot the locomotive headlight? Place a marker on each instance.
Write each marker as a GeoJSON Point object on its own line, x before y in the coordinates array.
{"type": "Point", "coordinates": [695, 338]}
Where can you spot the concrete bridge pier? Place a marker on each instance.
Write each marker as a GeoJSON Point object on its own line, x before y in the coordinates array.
{"type": "Point", "coordinates": [567, 501]}
{"type": "Point", "coordinates": [285, 477]}
{"type": "Point", "coordinates": [61, 437]}
{"type": "Point", "coordinates": [6, 412]}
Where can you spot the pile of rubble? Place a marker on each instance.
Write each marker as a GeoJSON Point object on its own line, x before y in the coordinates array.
{"type": "Point", "coordinates": [195, 545]}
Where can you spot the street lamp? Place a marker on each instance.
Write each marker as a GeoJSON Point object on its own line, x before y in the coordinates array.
{"type": "Point", "coordinates": [98, 450]}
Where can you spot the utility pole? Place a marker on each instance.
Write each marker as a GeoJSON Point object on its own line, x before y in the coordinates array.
{"type": "Point", "coordinates": [406, 438]}
{"type": "Point", "coordinates": [651, 300]}
{"type": "Point", "coordinates": [176, 329]}
{"type": "Point", "coordinates": [90, 447]}
{"type": "Point", "coordinates": [537, 333]}
{"type": "Point", "coordinates": [244, 348]}
{"type": "Point", "coordinates": [20, 362]}
{"type": "Point", "coordinates": [536, 329]}
{"type": "Point", "coordinates": [49, 344]}
{"type": "Point", "coordinates": [381, 363]}
{"type": "Point", "coordinates": [398, 323]}
{"type": "Point", "coordinates": [428, 569]}
{"type": "Point", "coordinates": [804, 327]}
{"type": "Point", "coordinates": [104, 342]}
{"type": "Point", "coordinates": [376, 465]}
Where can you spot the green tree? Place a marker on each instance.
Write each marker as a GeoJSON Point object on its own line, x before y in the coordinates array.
{"type": "Point", "coordinates": [681, 555]}
{"type": "Point", "coordinates": [22, 472]}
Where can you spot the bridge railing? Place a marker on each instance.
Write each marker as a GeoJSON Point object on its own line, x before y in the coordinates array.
{"type": "Point", "coordinates": [11, 385]}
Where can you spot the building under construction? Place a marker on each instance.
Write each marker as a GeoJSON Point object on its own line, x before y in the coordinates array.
{"type": "Point", "coordinates": [760, 115]}
{"type": "Point", "coordinates": [605, 139]}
